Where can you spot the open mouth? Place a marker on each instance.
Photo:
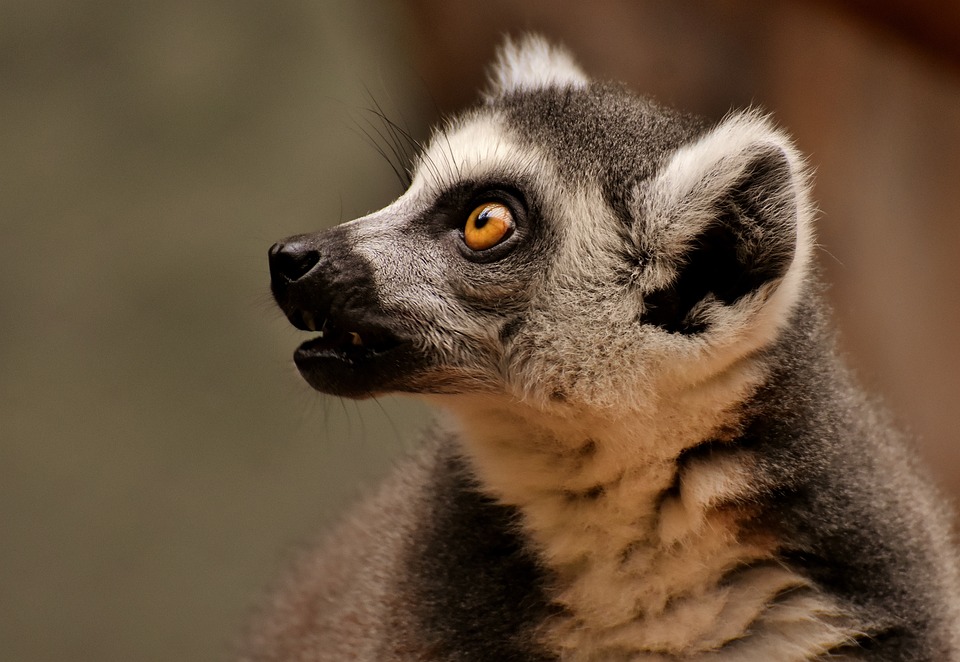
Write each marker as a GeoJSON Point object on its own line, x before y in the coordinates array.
{"type": "Point", "coordinates": [349, 343]}
{"type": "Point", "coordinates": [348, 357]}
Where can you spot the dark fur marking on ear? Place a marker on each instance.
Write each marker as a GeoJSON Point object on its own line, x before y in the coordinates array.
{"type": "Point", "coordinates": [749, 242]}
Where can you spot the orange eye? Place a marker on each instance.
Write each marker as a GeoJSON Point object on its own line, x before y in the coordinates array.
{"type": "Point", "coordinates": [487, 226]}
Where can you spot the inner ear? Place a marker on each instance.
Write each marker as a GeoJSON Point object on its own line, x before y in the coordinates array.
{"type": "Point", "coordinates": [748, 240]}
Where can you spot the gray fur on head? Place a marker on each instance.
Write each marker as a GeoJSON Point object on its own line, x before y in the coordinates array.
{"type": "Point", "coordinates": [652, 451]}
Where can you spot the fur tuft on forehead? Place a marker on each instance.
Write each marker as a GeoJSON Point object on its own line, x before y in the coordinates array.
{"type": "Point", "coordinates": [532, 63]}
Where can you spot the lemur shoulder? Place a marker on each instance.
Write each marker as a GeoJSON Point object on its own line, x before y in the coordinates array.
{"type": "Point", "coordinates": [651, 451]}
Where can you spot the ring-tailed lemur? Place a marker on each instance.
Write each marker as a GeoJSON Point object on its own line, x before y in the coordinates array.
{"type": "Point", "coordinates": [652, 452]}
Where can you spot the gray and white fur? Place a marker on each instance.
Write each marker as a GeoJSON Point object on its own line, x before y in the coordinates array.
{"type": "Point", "coordinates": [651, 451]}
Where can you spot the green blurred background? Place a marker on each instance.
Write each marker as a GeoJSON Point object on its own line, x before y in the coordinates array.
{"type": "Point", "coordinates": [159, 456]}
{"type": "Point", "coordinates": [159, 452]}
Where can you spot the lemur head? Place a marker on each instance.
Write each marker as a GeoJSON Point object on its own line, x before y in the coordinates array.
{"type": "Point", "coordinates": [565, 243]}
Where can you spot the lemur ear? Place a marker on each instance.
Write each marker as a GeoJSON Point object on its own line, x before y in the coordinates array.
{"type": "Point", "coordinates": [726, 223]}
{"type": "Point", "coordinates": [532, 63]}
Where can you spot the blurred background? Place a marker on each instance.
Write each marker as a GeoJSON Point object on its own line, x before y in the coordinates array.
{"type": "Point", "coordinates": [159, 456]}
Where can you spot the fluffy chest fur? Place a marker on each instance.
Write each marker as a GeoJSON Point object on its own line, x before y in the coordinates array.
{"type": "Point", "coordinates": [647, 528]}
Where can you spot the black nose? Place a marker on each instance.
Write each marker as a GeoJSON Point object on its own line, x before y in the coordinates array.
{"type": "Point", "coordinates": [291, 260]}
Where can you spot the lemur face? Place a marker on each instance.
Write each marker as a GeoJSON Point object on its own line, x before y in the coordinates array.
{"type": "Point", "coordinates": [565, 243]}
{"type": "Point", "coordinates": [416, 296]}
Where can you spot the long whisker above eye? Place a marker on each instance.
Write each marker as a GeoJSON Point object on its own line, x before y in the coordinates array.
{"type": "Point", "coordinates": [370, 135]}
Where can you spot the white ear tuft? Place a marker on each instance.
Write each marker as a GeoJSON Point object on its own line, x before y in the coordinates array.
{"type": "Point", "coordinates": [684, 194]}
{"type": "Point", "coordinates": [727, 217]}
{"type": "Point", "coordinates": [532, 63]}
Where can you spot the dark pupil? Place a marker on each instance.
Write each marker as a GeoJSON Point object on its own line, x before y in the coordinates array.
{"type": "Point", "coordinates": [482, 219]}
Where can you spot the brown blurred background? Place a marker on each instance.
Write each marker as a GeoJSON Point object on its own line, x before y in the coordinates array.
{"type": "Point", "coordinates": [158, 453]}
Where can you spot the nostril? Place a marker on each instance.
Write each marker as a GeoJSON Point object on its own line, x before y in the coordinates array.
{"type": "Point", "coordinates": [292, 260]}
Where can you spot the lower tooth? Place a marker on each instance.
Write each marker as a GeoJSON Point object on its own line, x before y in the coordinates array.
{"type": "Point", "coordinates": [355, 339]}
